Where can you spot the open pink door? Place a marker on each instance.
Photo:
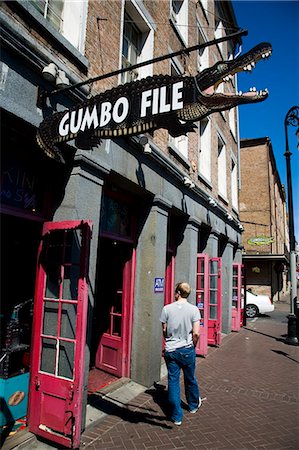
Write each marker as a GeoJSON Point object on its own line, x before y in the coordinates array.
{"type": "Point", "coordinates": [202, 301]}
{"type": "Point", "coordinates": [215, 302]}
{"type": "Point", "coordinates": [169, 278]}
{"type": "Point", "coordinates": [117, 273]}
{"type": "Point", "coordinates": [59, 331]}
{"type": "Point", "coordinates": [236, 300]}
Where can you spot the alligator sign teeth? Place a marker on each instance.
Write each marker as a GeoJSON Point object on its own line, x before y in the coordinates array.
{"type": "Point", "coordinates": [161, 101]}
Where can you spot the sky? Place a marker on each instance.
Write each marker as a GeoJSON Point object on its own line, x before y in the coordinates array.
{"type": "Point", "coordinates": [276, 22]}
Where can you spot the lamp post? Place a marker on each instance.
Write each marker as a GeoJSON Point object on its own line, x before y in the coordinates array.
{"type": "Point", "coordinates": [292, 118]}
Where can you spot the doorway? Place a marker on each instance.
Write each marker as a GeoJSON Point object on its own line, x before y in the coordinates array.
{"type": "Point", "coordinates": [112, 320]}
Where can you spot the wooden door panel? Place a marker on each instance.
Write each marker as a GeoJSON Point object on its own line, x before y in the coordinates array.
{"type": "Point", "coordinates": [59, 331]}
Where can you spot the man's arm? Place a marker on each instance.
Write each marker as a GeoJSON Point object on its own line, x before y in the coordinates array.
{"type": "Point", "coordinates": [195, 332]}
{"type": "Point", "coordinates": [164, 330]}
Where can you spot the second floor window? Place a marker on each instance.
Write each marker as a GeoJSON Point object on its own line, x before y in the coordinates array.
{"type": "Point", "coordinates": [203, 53]}
{"type": "Point", "coordinates": [52, 10]}
{"type": "Point", "coordinates": [234, 185]}
{"type": "Point", "coordinates": [131, 48]}
{"type": "Point", "coordinates": [67, 17]}
{"type": "Point", "coordinates": [204, 157]}
{"type": "Point", "coordinates": [179, 17]}
{"type": "Point", "coordinates": [180, 143]}
{"type": "Point", "coordinates": [222, 181]}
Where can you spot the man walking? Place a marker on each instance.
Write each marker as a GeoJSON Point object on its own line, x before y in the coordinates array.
{"type": "Point", "coordinates": [180, 325]}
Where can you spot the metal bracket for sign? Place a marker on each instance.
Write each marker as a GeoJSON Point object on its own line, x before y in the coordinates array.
{"type": "Point", "coordinates": [43, 95]}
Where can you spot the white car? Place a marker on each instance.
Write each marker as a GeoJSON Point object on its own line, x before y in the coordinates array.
{"type": "Point", "coordinates": [257, 304]}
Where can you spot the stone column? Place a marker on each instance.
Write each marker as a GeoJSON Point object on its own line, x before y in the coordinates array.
{"type": "Point", "coordinates": [238, 255]}
{"type": "Point", "coordinates": [150, 264]}
{"type": "Point", "coordinates": [212, 245]}
{"type": "Point", "coordinates": [186, 257]}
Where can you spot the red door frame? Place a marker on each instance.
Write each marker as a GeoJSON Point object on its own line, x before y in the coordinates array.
{"type": "Point", "coordinates": [237, 318]}
{"type": "Point", "coordinates": [215, 323]}
{"type": "Point", "coordinates": [202, 299]}
{"type": "Point", "coordinates": [55, 401]}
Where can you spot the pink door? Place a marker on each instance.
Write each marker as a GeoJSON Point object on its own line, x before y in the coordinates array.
{"type": "Point", "coordinates": [236, 298]}
{"type": "Point", "coordinates": [59, 331]}
{"type": "Point", "coordinates": [115, 307]}
{"type": "Point", "coordinates": [169, 278]}
{"type": "Point", "coordinates": [215, 302]}
{"type": "Point", "coordinates": [202, 301]}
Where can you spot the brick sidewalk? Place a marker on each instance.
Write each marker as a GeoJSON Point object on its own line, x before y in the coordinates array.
{"type": "Point", "coordinates": [252, 400]}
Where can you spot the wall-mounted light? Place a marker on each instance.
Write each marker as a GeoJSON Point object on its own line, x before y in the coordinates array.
{"type": "Point", "coordinates": [189, 183]}
{"type": "Point", "coordinates": [241, 228]}
{"type": "Point", "coordinates": [229, 216]}
{"type": "Point", "coordinates": [62, 80]}
{"type": "Point", "coordinates": [212, 202]}
{"type": "Point", "coordinates": [52, 74]}
{"type": "Point", "coordinates": [143, 141]}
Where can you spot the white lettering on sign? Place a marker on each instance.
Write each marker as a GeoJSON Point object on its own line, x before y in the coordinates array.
{"type": "Point", "coordinates": [152, 102]}
{"type": "Point", "coordinates": [155, 100]}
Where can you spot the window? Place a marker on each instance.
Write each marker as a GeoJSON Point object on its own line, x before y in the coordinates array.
{"type": "Point", "coordinates": [232, 122]}
{"type": "Point", "coordinates": [204, 157]}
{"type": "Point", "coordinates": [219, 33]}
{"type": "Point", "coordinates": [137, 41]}
{"type": "Point", "coordinates": [52, 11]}
{"type": "Point", "coordinates": [180, 143]}
{"type": "Point", "coordinates": [66, 17]}
{"type": "Point", "coordinates": [222, 187]}
{"type": "Point", "coordinates": [234, 185]}
{"type": "Point", "coordinates": [179, 18]}
{"type": "Point", "coordinates": [203, 53]}
{"type": "Point", "coordinates": [130, 49]}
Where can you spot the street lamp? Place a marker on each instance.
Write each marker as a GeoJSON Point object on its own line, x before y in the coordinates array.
{"type": "Point", "coordinates": [292, 118]}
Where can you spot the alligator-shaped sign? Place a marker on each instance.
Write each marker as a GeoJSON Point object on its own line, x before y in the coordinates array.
{"type": "Point", "coordinates": [161, 101]}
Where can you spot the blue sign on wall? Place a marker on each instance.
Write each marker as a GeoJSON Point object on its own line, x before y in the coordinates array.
{"type": "Point", "coordinates": [159, 285]}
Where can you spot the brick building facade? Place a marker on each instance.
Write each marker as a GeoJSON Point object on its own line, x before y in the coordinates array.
{"type": "Point", "coordinates": [263, 215]}
{"type": "Point", "coordinates": [148, 225]}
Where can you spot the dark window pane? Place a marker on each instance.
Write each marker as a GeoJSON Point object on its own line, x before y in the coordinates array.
{"type": "Point", "coordinates": [48, 355]}
{"type": "Point", "coordinates": [66, 359]}
{"type": "Point", "coordinates": [68, 320]}
{"type": "Point", "coordinates": [213, 312]}
{"type": "Point", "coordinates": [52, 282]}
{"type": "Point", "coordinates": [213, 282]}
{"type": "Point", "coordinates": [116, 331]}
{"type": "Point", "coordinates": [72, 248]}
{"type": "Point", "coordinates": [213, 297]}
{"type": "Point", "coordinates": [50, 318]}
{"type": "Point", "coordinates": [70, 283]}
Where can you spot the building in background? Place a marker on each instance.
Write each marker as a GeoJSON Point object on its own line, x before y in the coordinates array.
{"type": "Point", "coordinates": [264, 218]}
{"type": "Point", "coordinates": [154, 204]}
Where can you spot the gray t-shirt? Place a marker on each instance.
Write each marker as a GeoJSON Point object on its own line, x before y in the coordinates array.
{"type": "Point", "coordinates": [179, 318]}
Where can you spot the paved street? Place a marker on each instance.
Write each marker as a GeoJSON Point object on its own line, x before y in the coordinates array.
{"type": "Point", "coordinates": [252, 400]}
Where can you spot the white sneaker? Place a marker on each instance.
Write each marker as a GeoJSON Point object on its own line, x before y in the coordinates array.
{"type": "Point", "coordinates": [193, 411]}
{"type": "Point", "coordinates": [177, 422]}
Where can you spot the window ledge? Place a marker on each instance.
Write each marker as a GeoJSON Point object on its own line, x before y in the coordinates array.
{"type": "Point", "coordinates": [223, 198]}
{"type": "Point", "coordinates": [202, 178]}
{"type": "Point", "coordinates": [48, 30]}
{"type": "Point", "coordinates": [173, 150]}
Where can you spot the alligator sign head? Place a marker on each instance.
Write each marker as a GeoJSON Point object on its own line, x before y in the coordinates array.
{"type": "Point", "coordinates": [161, 101]}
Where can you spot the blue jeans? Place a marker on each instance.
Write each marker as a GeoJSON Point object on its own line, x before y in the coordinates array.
{"type": "Point", "coordinates": [185, 359]}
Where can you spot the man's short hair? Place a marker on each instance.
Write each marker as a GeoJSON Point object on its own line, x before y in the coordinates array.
{"type": "Point", "coordinates": [183, 289]}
